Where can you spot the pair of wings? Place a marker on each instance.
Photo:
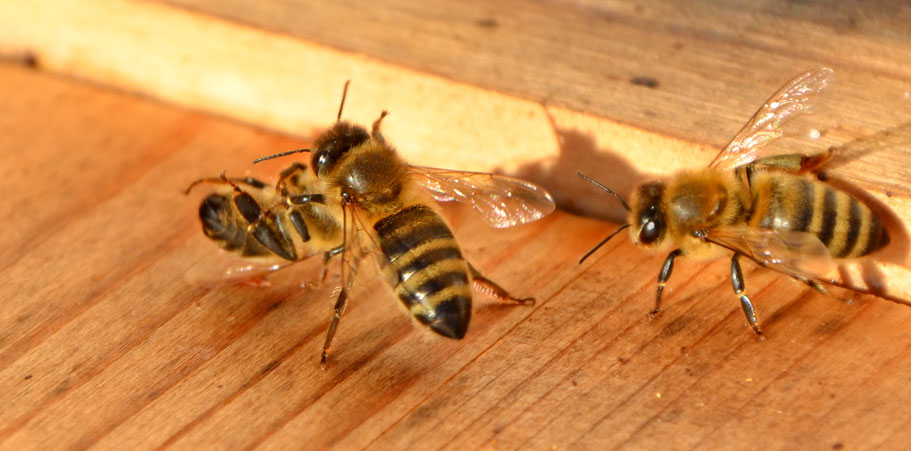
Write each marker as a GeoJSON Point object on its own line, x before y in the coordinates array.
{"type": "Point", "coordinates": [798, 254]}
{"type": "Point", "coordinates": [502, 201]}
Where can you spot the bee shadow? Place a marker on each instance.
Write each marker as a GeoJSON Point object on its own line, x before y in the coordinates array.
{"type": "Point", "coordinates": [578, 151]}
{"type": "Point", "coordinates": [869, 162]}
{"type": "Point", "coordinates": [895, 252]}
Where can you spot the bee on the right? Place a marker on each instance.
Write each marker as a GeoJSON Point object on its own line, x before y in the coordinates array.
{"type": "Point", "coordinates": [769, 208]}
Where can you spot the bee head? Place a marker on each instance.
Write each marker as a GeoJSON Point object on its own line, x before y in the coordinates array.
{"type": "Point", "coordinates": [647, 215]}
{"type": "Point", "coordinates": [333, 144]}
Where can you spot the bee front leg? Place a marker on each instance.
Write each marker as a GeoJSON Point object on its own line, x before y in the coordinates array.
{"type": "Point", "coordinates": [327, 258]}
{"type": "Point", "coordinates": [493, 290]}
{"type": "Point", "coordinates": [375, 129]}
{"type": "Point", "coordinates": [665, 274]}
{"type": "Point", "coordinates": [739, 290]}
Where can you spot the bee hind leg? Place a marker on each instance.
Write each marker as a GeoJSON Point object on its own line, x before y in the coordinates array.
{"type": "Point", "coordinates": [739, 290]}
{"type": "Point", "coordinates": [493, 290]}
{"type": "Point", "coordinates": [796, 162]}
{"type": "Point", "coordinates": [814, 284]}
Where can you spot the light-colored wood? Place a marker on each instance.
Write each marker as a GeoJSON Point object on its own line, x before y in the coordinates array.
{"type": "Point", "coordinates": [586, 55]}
{"type": "Point", "coordinates": [103, 343]}
{"type": "Point", "coordinates": [713, 65]}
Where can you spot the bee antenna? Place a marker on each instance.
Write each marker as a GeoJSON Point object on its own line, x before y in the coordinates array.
{"type": "Point", "coordinates": [280, 154]}
{"type": "Point", "coordinates": [609, 191]}
{"type": "Point", "coordinates": [342, 105]}
{"type": "Point", "coordinates": [598, 246]}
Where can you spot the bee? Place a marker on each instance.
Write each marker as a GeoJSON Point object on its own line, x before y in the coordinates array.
{"type": "Point", "coordinates": [359, 197]}
{"type": "Point", "coordinates": [752, 203]}
{"type": "Point", "coordinates": [268, 226]}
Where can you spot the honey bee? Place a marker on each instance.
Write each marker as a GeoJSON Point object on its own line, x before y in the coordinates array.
{"type": "Point", "coordinates": [359, 197]}
{"type": "Point", "coordinates": [268, 226]}
{"type": "Point", "coordinates": [753, 203]}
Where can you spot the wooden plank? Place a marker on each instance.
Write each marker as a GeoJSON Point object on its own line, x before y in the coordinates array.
{"type": "Point", "coordinates": [103, 344]}
{"type": "Point", "coordinates": [712, 73]}
{"type": "Point", "coordinates": [595, 56]}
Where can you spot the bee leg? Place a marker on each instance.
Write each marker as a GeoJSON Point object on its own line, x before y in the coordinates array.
{"type": "Point", "coordinates": [739, 289]}
{"type": "Point", "coordinates": [375, 129]}
{"type": "Point", "coordinates": [340, 304]}
{"type": "Point", "coordinates": [816, 286]}
{"type": "Point", "coordinates": [493, 290]}
{"type": "Point", "coordinates": [819, 287]}
{"type": "Point", "coordinates": [327, 258]}
{"type": "Point", "coordinates": [233, 181]}
{"type": "Point", "coordinates": [796, 162]}
{"type": "Point", "coordinates": [812, 163]}
{"type": "Point", "coordinates": [662, 278]}
{"type": "Point", "coordinates": [295, 167]}
{"type": "Point", "coordinates": [288, 173]}
{"type": "Point", "coordinates": [259, 225]}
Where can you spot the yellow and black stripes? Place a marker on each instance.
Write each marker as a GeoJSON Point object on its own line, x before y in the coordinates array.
{"type": "Point", "coordinates": [252, 221]}
{"type": "Point", "coordinates": [846, 226]}
{"type": "Point", "coordinates": [430, 274]}
{"type": "Point", "coordinates": [227, 229]}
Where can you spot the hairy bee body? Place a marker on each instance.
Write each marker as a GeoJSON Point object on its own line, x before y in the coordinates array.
{"type": "Point", "coordinates": [359, 197]}
{"type": "Point", "coordinates": [420, 256]}
{"type": "Point", "coordinates": [759, 204]}
{"type": "Point", "coordinates": [772, 200]}
{"type": "Point", "coordinates": [689, 201]}
{"type": "Point", "coordinates": [253, 219]}
{"type": "Point", "coordinates": [847, 227]}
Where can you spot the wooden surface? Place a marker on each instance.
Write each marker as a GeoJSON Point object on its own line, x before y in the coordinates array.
{"type": "Point", "coordinates": [627, 90]}
{"type": "Point", "coordinates": [641, 62]}
{"type": "Point", "coordinates": [102, 343]}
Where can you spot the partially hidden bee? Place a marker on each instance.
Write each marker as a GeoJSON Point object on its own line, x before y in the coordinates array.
{"type": "Point", "coordinates": [752, 203]}
{"type": "Point", "coordinates": [359, 197]}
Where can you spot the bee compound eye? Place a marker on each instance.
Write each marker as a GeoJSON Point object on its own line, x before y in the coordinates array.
{"type": "Point", "coordinates": [318, 160]}
{"type": "Point", "coordinates": [650, 232]}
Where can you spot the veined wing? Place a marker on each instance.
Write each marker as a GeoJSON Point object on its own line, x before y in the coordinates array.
{"type": "Point", "coordinates": [226, 268]}
{"type": "Point", "coordinates": [798, 254]}
{"type": "Point", "coordinates": [791, 100]}
{"type": "Point", "coordinates": [502, 201]}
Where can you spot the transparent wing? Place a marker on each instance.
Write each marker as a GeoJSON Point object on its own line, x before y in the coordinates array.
{"type": "Point", "coordinates": [226, 268]}
{"type": "Point", "coordinates": [799, 254]}
{"type": "Point", "coordinates": [791, 100]}
{"type": "Point", "coordinates": [502, 201]}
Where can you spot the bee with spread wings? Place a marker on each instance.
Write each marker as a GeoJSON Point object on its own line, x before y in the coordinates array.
{"type": "Point", "coordinates": [756, 203]}
{"type": "Point", "coordinates": [359, 197]}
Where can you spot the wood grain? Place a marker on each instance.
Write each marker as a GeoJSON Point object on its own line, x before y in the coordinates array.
{"type": "Point", "coordinates": [639, 62]}
{"type": "Point", "coordinates": [651, 87]}
{"type": "Point", "coordinates": [103, 344]}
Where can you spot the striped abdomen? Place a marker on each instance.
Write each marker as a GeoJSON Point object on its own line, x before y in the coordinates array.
{"type": "Point", "coordinates": [846, 226]}
{"type": "Point", "coordinates": [222, 224]}
{"type": "Point", "coordinates": [428, 271]}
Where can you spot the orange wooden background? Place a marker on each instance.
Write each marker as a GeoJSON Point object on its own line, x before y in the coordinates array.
{"type": "Point", "coordinates": [103, 344]}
